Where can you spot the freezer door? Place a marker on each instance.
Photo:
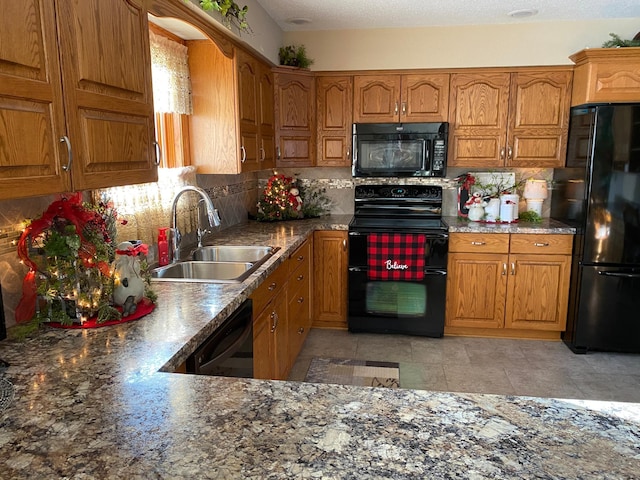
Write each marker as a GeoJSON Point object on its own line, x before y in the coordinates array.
{"type": "Point", "coordinates": [607, 315]}
{"type": "Point", "coordinates": [612, 233]}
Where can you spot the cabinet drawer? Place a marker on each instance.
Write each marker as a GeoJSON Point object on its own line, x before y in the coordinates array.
{"type": "Point", "coordinates": [479, 242]}
{"type": "Point", "coordinates": [265, 292]}
{"type": "Point", "coordinates": [302, 256]}
{"type": "Point", "coordinates": [545, 244]}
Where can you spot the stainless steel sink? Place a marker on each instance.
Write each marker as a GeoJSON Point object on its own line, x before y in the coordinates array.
{"type": "Point", "coordinates": [211, 272]}
{"type": "Point", "coordinates": [232, 253]}
{"type": "Point", "coordinates": [216, 264]}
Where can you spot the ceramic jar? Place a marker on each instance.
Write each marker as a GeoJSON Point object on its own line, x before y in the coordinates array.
{"type": "Point", "coordinates": [476, 212]}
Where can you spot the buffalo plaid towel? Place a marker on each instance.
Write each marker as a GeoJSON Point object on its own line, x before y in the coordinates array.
{"type": "Point", "coordinates": [396, 256]}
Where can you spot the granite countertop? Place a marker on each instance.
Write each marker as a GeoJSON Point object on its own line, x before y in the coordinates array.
{"type": "Point", "coordinates": [547, 225]}
{"type": "Point", "coordinates": [101, 404]}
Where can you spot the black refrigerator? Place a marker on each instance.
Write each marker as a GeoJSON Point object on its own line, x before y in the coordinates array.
{"type": "Point", "coordinates": [599, 194]}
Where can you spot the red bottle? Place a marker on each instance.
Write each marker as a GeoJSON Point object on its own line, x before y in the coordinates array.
{"type": "Point", "coordinates": [163, 247]}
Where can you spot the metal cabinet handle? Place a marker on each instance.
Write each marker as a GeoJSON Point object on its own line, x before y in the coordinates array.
{"type": "Point", "coordinates": [278, 152]}
{"type": "Point", "coordinates": [300, 258]}
{"type": "Point", "coordinates": [509, 153]}
{"type": "Point", "coordinates": [502, 153]}
{"type": "Point", "coordinates": [158, 153]}
{"type": "Point", "coordinates": [478, 243]}
{"type": "Point", "coordinates": [404, 108]}
{"type": "Point", "coordinates": [504, 269]}
{"type": "Point", "coordinates": [395, 110]}
{"type": "Point", "coordinates": [274, 321]}
{"type": "Point", "coordinates": [513, 268]}
{"type": "Point", "coordinates": [300, 277]}
{"type": "Point", "coordinates": [300, 299]}
{"type": "Point", "coordinates": [272, 286]}
{"type": "Point", "coordinates": [348, 153]}
{"type": "Point", "coordinates": [263, 154]}
{"type": "Point", "coordinates": [536, 244]}
{"type": "Point", "coordinates": [66, 141]}
{"type": "Point", "coordinates": [301, 330]}
{"type": "Point", "coordinates": [244, 154]}
{"type": "Point", "coordinates": [344, 244]}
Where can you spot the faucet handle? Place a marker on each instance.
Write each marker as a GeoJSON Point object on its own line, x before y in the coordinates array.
{"type": "Point", "coordinates": [214, 218]}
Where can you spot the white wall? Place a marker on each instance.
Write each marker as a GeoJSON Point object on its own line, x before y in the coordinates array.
{"type": "Point", "coordinates": [464, 46]}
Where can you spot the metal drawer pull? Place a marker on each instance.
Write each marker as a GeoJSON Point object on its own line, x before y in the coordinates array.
{"type": "Point", "coordinates": [274, 321]}
{"type": "Point", "coordinates": [478, 243]}
{"type": "Point", "coordinates": [504, 269]}
{"type": "Point", "coordinates": [536, 244]}
{"type": "Point", "coordinates": [301, 258]}
{"type": "Point", "coordinates": [272, 286]}
{"type": "Point", "coordinates": [513, 268]}
{"type": "Point", "coordinates": [301, 300]}
{"type": "Point", "coordinates": [158, 153]}
{"type": "Point", "coordinates": [300, 277]}
{"type": "Point", "coordinates": [301, 330]}
{"type": "Point", "coordinates": [244, 154]}
{"type": "Point", "coordinates": [66, 141]}
{"type": "Point", "coordinates": [395, 110]}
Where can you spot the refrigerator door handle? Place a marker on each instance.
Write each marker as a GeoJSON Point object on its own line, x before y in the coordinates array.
{"type": "Point", "coordinates": [619, 274]}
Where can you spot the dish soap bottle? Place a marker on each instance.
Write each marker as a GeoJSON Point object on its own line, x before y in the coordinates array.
{"type": "Point", "coordinates": [163, 247]}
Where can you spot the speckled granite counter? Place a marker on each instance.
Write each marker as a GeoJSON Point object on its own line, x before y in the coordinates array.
{"type": "Point", "coordinates": [547, 225]}
{"type": "Point", "coordinates": [96, 404]}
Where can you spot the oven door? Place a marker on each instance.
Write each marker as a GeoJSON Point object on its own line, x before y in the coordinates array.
{"type": "Point", "coordinates": [381, 306]}
{"type": "Point", "coordinates": [409, 307]}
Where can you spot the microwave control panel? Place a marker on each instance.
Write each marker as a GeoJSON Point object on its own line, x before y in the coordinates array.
{"type": "Point", "coordinates": [439, 155]}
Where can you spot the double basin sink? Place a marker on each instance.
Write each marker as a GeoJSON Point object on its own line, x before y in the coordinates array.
{"type": "Point", "coordinates": [216, 264]}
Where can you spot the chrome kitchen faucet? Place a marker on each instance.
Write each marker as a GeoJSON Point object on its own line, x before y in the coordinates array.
{"type": "Point", "coordinates": [212, 216]}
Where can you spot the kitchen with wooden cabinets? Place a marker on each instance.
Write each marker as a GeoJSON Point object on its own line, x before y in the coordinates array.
{"type": "Point", "coordinates": [116, 384]}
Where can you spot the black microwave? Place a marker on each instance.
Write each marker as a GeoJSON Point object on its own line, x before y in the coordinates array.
{"type": "Point", "coordinates": [400, 149]}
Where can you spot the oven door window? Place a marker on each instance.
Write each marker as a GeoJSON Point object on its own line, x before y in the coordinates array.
{"type": "Point", "coordinates": [386, 155]}
{"type": "Point", "coordinates": [396, 299]}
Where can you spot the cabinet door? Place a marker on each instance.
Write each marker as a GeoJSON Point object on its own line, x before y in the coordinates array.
{"type": "Point", "coordinates": [425, 98]}
{"type": "Point", "coordinates": [334, 109]}
{"type": "Point", "coordinates": [330, 279]}
{"type": "Point", "coordinates": [478, 109]}
{"type": "Point", "coordinates": [538, 292]}
{"type": "Point", "coordinates": [248, 111]}
{"type": "Point", "coordinates": [295, 116]}
{"type": "Point", "coordinates": [31, 110]}
{"type": "Point", "coordinates": [538, 119]}
{"type": "Point", "coordinates": [270, 340]}
{"type": "Point", "coordinates": [376, 98]}
{"type": "Point", "coordinates": [266, 124]}
{"type": "Point", "coordinates": [106, 68]}
{"type": "Point", "coordinates": [214, 125]}
{"type": "Point", "coordinates": [476, 289]}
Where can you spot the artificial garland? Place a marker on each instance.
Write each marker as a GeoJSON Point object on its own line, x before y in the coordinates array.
{"type": "Point", "coordinates": [284, 198]}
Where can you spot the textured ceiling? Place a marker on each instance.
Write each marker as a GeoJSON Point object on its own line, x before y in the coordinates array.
{"type": "Point", "coordinates": [354, 14]}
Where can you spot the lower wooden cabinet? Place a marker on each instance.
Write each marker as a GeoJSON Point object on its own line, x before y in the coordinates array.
{"type": "Point", "coordinates": [508, 285]}
{"type": "Point", "coordinates": [330, 257]}
{"type": "Point", "coordinates": [282, 315]}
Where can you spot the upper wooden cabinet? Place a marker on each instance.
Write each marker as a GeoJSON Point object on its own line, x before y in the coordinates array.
{"type": "Point", "coordinates": [75, 101]}
{"type": "Point", "coordinates": [517, 119]}
{"type": "Point", "coordinates": [256, 112]}
{"type": "Point", "coordinates": [606, 75]}
{"type": "Point", "coordinates": [401, 98]}
{"type": "Point", "coordinates": [334, 116]}
{"type": "Point", "coordinates": [295, 114]}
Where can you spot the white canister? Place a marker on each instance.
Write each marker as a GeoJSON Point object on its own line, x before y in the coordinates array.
{"type": "Point", "coordinates": [492, 210]}
{"type": "Point", "coordinates": [509, 207]}
{"type": "Point", "coordinates": [476, 212]}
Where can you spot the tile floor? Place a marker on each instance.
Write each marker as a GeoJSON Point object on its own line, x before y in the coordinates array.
{"type": "Point", "coordinates": [484, 365]}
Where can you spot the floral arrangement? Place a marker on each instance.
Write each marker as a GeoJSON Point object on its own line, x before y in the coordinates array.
{"type": "Point", "coordinates": [69, 251]}
{"type": "Point", "coordinates": [284, 198]}
{"type": "Point", "coordinates": [231, 12]}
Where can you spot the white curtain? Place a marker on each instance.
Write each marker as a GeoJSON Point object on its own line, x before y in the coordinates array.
{"type": "Point", "coordinates": [170, 75]}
